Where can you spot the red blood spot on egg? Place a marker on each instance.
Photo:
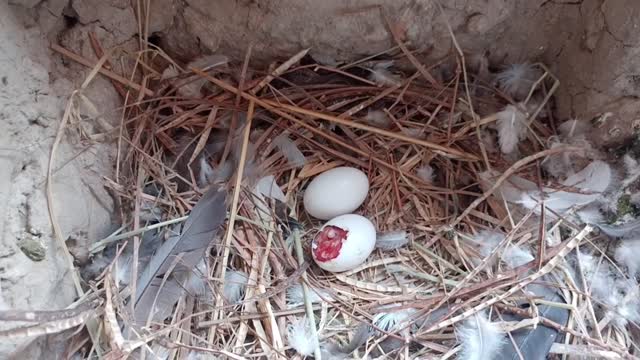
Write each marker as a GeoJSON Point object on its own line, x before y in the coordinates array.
{"type": "Point", "coordinates": [327, 244]}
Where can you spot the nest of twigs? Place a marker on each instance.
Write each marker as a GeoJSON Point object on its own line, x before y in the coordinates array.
{"type": "Point", "coordinates": [422, 134]}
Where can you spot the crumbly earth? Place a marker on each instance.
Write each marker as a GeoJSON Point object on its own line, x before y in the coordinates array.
{"type": "Point", "coordinates": [591, 45]}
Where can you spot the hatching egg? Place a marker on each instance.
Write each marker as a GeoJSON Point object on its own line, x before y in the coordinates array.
{"type": "Point", "coordinates": [343, 243]}
{"type": "Point", "coordinates": [336, 192]}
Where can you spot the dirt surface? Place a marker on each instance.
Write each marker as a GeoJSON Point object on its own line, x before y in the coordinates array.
{"type": "Point", "coordinates": [591, 45]}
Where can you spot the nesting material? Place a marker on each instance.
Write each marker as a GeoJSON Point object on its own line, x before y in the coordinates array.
{"type": "Point", "coordinates": [225, 271]}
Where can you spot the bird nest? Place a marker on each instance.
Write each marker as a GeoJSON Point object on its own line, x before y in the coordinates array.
{"type": "Point", "coordinates": [472, 263]}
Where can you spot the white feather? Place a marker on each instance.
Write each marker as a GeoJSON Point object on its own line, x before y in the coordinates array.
{"type": "Point", "coordinates": [201, 355]}
{"type": "Point", "coordinates": [558, 165]}
{"type": "Point", "coordinates": [573, 128]}
{"type": "Point", "coordinates": [426, 173]}
{"type": "Point", "coordinates": [377, 118]}
{"type": "Point", "coordinates": [295, 295]}
{"type": "Point", "coordinates": [627, 305]}
{"type": "Point", "coordinates": [196, 283]}
{"type": "Point", "coordinates": [290, 150]}
{"type": "Point", "coordinates": [598, 277]}
{"type": "Point", "coordinates": [572, 133]}
{"type": "Point", "coordinates": [488, 241]}
{"type": "Point", "coordinates": [207, 174]}
{"type": "Point", "coordinates": [512, 127]}
{"type": "Point", "coordinates": [632, 170]}
{"type": "Point", "coordinates": [392, 240]}
{"type": "Point", "coordinates": [590, 215]}
{"type": "Point", "coordinates": [518, 79]}
{"type": "Point", "coordinates": [123, 269]}
{"type": "Point", "coordinates": [480, 339]}
{"type": "Point", "coordinates": [590, 184]}
{"type": "Point", "coordinates": [382, 76]}
{"type": "Point", "coordinates": [394, 320]}
{"type": "Point", "coordinates": [627, 253]}
{"type": "Point", "coordinates": [592, 181]}
{"type": "Point", "coordinates": [301, 337]}
{"type": "Point", "coordinates": [513, 255]}
{"type": "Point", "coordinates": [235, 283]}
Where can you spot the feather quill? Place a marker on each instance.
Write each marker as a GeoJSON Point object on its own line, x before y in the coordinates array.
{"type": "Point", "coordinates": [512, 127]}
{"type": "Point", "coordinates": [290, 150]}
{"type": "Point", "coordinates": [392, 240]}
{"type": "Point", "coordinates": [198, 232]}
{"type": "Point", "coordinates": [480, 339]}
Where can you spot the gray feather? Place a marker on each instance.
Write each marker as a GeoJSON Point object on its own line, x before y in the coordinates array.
{"type": "Point", "coordinates": [534, 344]}
{"type": "Point", "coordinates": [630, 228]}
{"type": "Point", "coordinates": [198, 232]}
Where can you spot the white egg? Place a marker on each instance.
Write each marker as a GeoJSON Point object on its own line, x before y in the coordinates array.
{"type": "Point", "coordinates": [336, 192]}
{"type": "Point", "coordinates": [343, 243]}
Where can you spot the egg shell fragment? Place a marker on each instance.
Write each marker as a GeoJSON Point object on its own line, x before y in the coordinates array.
{"type": "Point", "coordinates": [336, 192]}
{"type": "Point", "coordinates": [344, 243]}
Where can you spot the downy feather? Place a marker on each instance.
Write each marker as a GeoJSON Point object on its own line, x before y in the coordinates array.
{"type": "Point", "coordinates": [571, 133]}
{"type": "Point", "coordinates": [513, 255]}
{"type": "Point", "coordinates": [295, 295]}
{"type": "Point", "coordinates": [480, 339]}
{"type": "Point", "coordinates": [392, 240]}
{"type": "Point", "coordinates": [201, 355]}
{"type": "Point", "coordinates": [381, 75]}
{"type": "Point", "coordinates": [207, 174]}
{"type": "Point", "coordinates": [290, 150]}
{"type": "Point", "coordinates": [394, 320]}
{"type": "Point", "coordinates": [377, 118]}
{"type": "Point", "coordinates": [235, 284]}
{"type": "Point", "coordinates": [426, 173]}
{"type": "Point", "coordinates": [625, 307]}
{"type": "Point", "coordinates": [301, 337]}
{"type": "Point", "coordinates": [626, 254]}
{"type": "Point", "coordinates": [518, 79]}
{"type": "Point", "coordinates": [512, 127]}
{"type": "Point", "coordinates": [415, 133]}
